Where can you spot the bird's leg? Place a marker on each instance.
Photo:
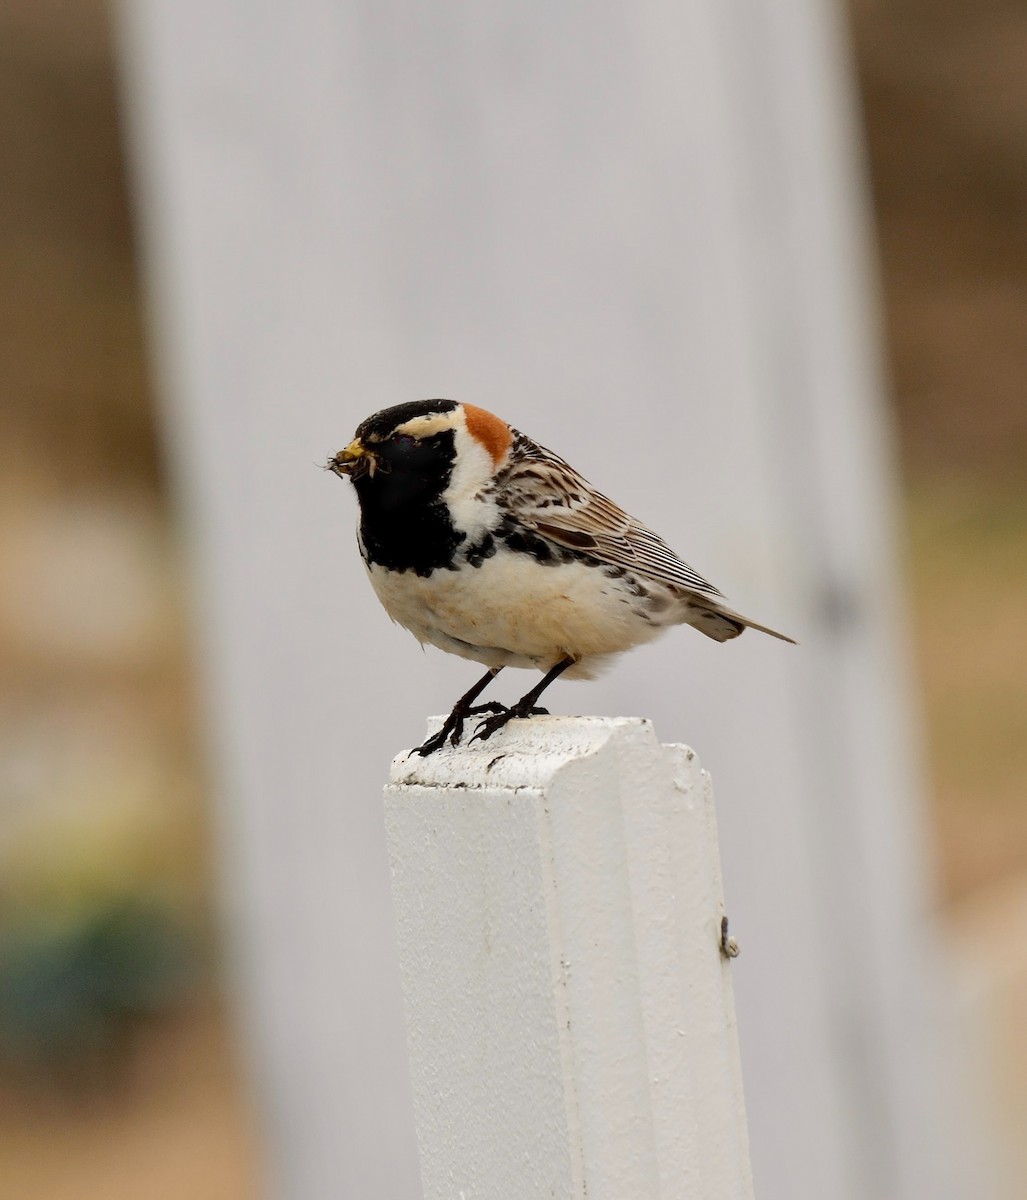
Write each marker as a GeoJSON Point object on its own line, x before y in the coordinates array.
{"type": "Point", "coordinates": [454, 726]}
{"type": "Point", "coordinates": [525, 707]}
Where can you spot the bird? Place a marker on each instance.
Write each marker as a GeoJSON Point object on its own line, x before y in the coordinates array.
{"type": "Point", "coordinates": [485, 544]}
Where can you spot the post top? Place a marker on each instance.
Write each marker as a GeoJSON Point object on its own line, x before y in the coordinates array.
{"type": "Point", "coordinates": [524, 754]}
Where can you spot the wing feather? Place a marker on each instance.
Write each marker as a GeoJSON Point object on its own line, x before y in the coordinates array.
{"type": "Point", "coordinates": [545, 494]}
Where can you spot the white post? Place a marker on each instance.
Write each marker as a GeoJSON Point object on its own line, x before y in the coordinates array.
{"type": "Point", "coordinates": [569, 1009]}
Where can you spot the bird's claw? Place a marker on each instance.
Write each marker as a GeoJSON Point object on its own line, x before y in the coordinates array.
{"type": "Point", "coordinates": [494, 723]}
{"type": "Point", "coordinates": [435, 742]}
{"type": "Point", "coordinates": [453, 730]}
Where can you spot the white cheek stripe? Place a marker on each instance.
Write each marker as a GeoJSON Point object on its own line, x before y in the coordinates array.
{"type": "Point", "coordinates": [472, 470]}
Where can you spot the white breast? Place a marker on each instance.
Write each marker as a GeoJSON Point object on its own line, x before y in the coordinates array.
{"type": "Point", "coordinates": [514, 611]}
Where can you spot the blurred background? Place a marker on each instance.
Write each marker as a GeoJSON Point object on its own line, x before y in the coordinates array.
{"type": "Point", "coordinates": [117, 1071]}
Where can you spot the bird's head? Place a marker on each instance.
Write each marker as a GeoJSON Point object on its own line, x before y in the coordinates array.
{"type": "Point", "coordinates": [415, 452]}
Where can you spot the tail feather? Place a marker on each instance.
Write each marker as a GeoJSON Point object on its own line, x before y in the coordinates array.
{"type": "Point", "coordinates": [722, 623]}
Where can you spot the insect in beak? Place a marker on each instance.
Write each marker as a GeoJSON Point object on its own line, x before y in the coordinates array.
{"type": "Point", "coordinates": [353, 461]}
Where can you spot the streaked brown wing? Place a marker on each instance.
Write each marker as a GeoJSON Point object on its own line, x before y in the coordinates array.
{"type": "Point", "coordinates": [545, 494]}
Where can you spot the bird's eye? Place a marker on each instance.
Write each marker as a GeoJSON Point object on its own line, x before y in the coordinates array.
{"type": "Point", "coordinates": [404, 441]}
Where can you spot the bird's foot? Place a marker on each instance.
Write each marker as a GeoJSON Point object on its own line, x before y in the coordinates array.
{"type": "Point", "coordinates": [491, 724]}
{"type": "Point", "coordinates": [453, 730]}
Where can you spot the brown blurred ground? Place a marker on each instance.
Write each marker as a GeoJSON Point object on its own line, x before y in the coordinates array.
{"type": "Point", "coordinates": [945, 100]}
{"type": "Point", "coordinates": [98, 713]}
{"type": "Point", "coordinates": [174, 1130]}
{"type": "Point", "coordinates": [101, 794]}
{"type": "Point", "coordinates": [945, 97]}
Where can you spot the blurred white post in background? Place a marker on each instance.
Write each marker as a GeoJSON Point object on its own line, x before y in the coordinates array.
{"type": "Point", "coordinates": [636, 231]}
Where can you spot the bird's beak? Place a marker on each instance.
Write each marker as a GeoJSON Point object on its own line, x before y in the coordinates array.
{"type": "Point", "coordinates": [353, 461]}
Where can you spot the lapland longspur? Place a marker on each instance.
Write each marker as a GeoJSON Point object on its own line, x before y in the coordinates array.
{"type": "Point", "coordinates": [483, 543]}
